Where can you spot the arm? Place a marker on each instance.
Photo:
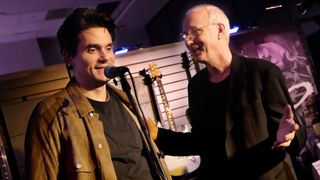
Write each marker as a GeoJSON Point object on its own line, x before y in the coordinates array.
{"type": "Point", "coordinates": [173, 143]}
{"type": "Point", "coordinates": [40, 153]}
{"type": "Point", "coordinates": [276, 96]}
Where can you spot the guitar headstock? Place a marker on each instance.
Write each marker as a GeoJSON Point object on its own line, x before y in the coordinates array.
{"type": "Point", "coordinates": [155, 73]}
{"type": "Point", "coordinates": [185, 60]}
{"type": "Point", "coordinates": [147, 78]}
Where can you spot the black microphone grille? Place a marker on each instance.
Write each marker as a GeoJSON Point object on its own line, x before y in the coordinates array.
{"type": "Point", "coordinates": [113, 71]}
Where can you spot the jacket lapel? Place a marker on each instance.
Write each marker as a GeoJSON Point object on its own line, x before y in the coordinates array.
{"type": "Point", "coordinates": [235, 89]}
{"type": "Point", "coordinates": [95, 131]}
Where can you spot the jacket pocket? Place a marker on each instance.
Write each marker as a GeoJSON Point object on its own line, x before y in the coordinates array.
{"type": "Point", "coordinates": [78, 158]}
{"type": "Point", "coordinates": [82, 170]}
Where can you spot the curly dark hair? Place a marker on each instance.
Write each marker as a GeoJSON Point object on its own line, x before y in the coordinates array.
{"type": "Point", "coordinates": [81, 19]}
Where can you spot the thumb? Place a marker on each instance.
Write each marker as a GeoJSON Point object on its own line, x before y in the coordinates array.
{"type": "Point", "coordinates": [153, 129]}
{"type": "Point", "coordinates": [288, 114]}
{"type": "Point", "coordinates": [287, 120]}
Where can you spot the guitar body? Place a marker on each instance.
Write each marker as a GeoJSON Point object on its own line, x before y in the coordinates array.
{"type": "Point", "coordinates": [180, 166]}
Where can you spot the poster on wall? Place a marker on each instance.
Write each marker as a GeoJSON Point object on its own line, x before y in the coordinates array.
{"type": "Point", "coordinates": [284, 46]}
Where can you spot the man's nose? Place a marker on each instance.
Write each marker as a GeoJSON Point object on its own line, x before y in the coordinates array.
{"type": "Point", "coordinates": [188, 41]}
{"type": "Point", "coordinates": [103, 55]}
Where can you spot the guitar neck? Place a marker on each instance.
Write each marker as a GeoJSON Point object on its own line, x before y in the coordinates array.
{"type": "Point", "coordinates": [153, 99]}
{"type": "Point", "coordinates": [172, 125]}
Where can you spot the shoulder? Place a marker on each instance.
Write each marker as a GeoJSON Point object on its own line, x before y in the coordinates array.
{"type": "Point", "coordinates": [255, 65]}
{"type": "Point", "coordinates": [49, 107]}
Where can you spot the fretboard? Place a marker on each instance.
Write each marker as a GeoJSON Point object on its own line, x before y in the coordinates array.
{"type": "Point", "coordinates": [172, 125]}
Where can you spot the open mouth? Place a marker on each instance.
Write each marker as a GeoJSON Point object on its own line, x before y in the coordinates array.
{"type": "Point", "coordinates": [195, 49]}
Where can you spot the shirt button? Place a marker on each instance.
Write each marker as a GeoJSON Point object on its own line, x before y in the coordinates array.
{"type": "Point", "coordinates": [91, 114]}
{"type": "Point", "coordinates": [99, 146]}
{"type": "Point", "coordinates": [78, 166]}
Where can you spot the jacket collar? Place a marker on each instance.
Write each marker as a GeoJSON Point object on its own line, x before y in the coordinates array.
{"type": "Point", "coordinates": [81, 102]}
{"type": "Point", "coordinates": [237, 79]}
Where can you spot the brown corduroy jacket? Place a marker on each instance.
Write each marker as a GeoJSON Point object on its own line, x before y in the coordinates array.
{"type": "Point", "coordinates": [65, 139]}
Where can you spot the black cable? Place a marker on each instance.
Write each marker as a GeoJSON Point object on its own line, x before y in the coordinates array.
{"type": "Point", "coordinates": [155, 157]}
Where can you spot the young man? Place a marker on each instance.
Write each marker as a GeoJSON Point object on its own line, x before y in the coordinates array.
{"type": "Point", "coordinates": [236, 108]}
{"type": "Point", "coordinates": [87, 130]}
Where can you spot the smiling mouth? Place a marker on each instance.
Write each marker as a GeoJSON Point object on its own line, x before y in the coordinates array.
{"type": "Point", "coordinates": [195, 49]}
{"type": "Point", "coordinates": [100, 67]}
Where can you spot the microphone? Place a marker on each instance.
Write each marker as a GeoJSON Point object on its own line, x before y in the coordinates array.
{"type": "Point", "coordinates": [113, 71]}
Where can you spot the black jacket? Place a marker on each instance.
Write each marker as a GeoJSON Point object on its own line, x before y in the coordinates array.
{"type": "Point", "coordinates": [257, 95]}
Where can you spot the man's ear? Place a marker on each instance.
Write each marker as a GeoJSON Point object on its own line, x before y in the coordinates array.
{"type": "Point", "coordinates": [69, 63]}
{"type": "Point", "coordinates": [221, 30]}
{"type": "Point", "coordinates": [67, 57]}
{"type": "Point", "coordinates": [221, 27]}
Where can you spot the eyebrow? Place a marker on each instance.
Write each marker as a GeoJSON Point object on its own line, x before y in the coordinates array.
{"type": "Point", "coordinates": [96, 45]}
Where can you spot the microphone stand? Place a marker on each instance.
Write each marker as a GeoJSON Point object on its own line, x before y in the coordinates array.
{"type": "Point", "coordinates": [155, 157]}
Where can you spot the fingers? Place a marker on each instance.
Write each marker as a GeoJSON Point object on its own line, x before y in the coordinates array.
{"type": "Point", "coordinates": [288, 137]}
{"type": "Point", "coordinates": [287, 120]}
{"type": "Point", "coordinates": [153, 129]}
{"type": "Point", "coordinates": [150, 123]}
{"type": "Point", "coordinates": [295, 127]}
{"type": "Point", "coordinates": [286, 141]}
{"type": "Point", "coordinates": [287, 129]}
{"type": "Point", "coordinates": [278, 145]}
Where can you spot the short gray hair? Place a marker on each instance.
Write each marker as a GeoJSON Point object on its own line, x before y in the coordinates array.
{"type": "Point", "coordinates": [216, 15]}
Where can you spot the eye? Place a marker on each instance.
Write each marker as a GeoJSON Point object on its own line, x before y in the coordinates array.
{"type": "Point", "coordinates": [109, 48]}
{"type": "Point", "coordinates": [197, 31]}
{"type": "Point", "coordinates": [91, 50]}
{"type": "Point", "coordinates": [192, 31]}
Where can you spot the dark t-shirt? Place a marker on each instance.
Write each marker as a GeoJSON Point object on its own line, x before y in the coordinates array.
{"type": "Point", "coordinates": [124, 140]}
{"type": "Point", "coordinates": [215, 160]}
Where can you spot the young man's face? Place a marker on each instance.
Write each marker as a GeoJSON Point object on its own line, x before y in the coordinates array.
{"type": "Point", "coordinates": [94, 54]}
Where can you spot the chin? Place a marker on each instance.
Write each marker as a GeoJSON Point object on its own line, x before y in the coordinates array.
{"type": "Point", "coordinates": [102, 79]}
{"type": "Point", "coordinates": [198, 59]}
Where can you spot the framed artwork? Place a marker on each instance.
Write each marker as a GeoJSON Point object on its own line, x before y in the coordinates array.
{"type": "Point", "coordinates": [284, 45]}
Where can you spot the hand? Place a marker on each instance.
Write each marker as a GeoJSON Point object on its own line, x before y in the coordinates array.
{"type": "Point", "coordinates": [287, 129]}
{"type": "Point", "coordinates": [153, 129]}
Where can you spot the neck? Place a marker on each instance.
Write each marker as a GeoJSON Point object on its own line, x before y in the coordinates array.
{"type": "Point", "coordinates": [97, 94]}
{"type": "Point", "coordinates": [221, 69]}
{"type": "Point", "coordinates": [216, 76]}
